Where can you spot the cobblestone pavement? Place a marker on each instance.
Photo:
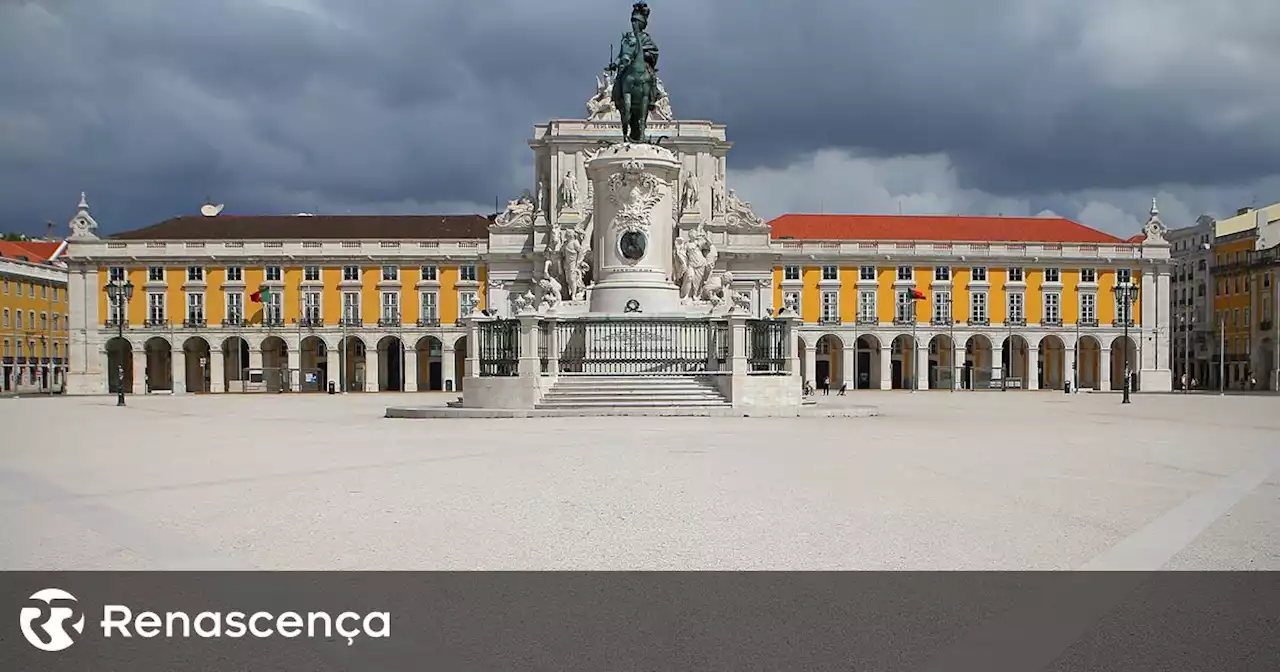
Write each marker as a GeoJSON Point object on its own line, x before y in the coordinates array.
{"type": "Point", "coordinates": [965, 480]}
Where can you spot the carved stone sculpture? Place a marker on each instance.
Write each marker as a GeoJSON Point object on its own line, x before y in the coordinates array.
{"type": "Point", "coordinates": [718, 289]}
{"type": "Point", "coordinates": [689, 193]}
{"type": "Point", "coordinates": [568, 191]}
{"type": "Point", "coordinates": [717, 196]}
{"type": "Point", "coordinates": [1155, 229]}
{"type": "Point", "coordinates": [518, 213]}
{"type": "Point", "coordinates": [573, 263]}
{"type": "Point", "coordinates": [695, 259]}
{"type": "Point", "coordinates": [739, 213]}
{"type": "Point", "coordinates": [635, 192]}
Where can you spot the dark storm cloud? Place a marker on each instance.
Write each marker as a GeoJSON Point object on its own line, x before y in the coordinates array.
{"type": "Point", "coordinates": [150, 105]}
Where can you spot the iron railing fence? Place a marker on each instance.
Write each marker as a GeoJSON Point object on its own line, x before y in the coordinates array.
{"type": "Point", "coordinates": [766, 347]}
{"type": "Point", "coordinates": [499, 347]}
{"type": "Point", "coordinates": [641, 347]}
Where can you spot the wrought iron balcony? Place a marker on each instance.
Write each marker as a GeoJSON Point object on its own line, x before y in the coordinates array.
{"type": "Point", "coordinates": [233, 322]}
{"type": "Point", "coordinates": [114, 322]}
{"type": "Point", "coordinates": [867, 320]}
{"type": "Point", "coordinates": [389, 322]}
{"type": "Point", "coordinates": [1122, 322]}
{"type": "Point", "coordinates": [829, 321]}
{"type": "Point", "coordinates": [903, 321]}
{"type": "Point", "coordinates": [351, 322]}
{"type": "Point", "coordinates": [273, 321]}
{"type": "Point", "coordinates": [1057, 322]}
{"type": "Point", "coordinates": [194, 323]}
{"type": "Point", "coordinates": [311, 322]}
{"type": "Point", "coordinates": [155, 324]}
{"type": "Point", "coordinates": [428, 321]}
{"type": "Point", "coordinates": [1015, 322]}
{"type": "Point", "coordinates": [940, 321]}
{"type": "Point", "coordinates": [979, 321]}
{"type": "Point", "coordinates": [1087, 323]}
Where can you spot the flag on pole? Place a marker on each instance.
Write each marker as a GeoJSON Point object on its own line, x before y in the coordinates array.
{"type": "Point", "coordinates": [917, 295]}
{"type": "Point", "coordinates": [263, 295]}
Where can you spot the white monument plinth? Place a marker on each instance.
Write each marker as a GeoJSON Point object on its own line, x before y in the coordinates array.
{"type": "Point", "coordinates": [634, 205]}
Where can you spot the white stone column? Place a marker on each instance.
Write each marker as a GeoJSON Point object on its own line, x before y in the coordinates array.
{"type": "Point", "coordinates": [178, 362]}
{"type": "Point", "coordinates": [811, 364]}
{"type": "Point", "coordinates": [139, 370]}
{"type": "Point", "coordinates": [448, 368]}
{"type": "Point", "coordinates": [922, 366]}
{"type": "Point", "coordinates": [371, 359]}
{"type": "Point", "coordinates": [217, 372]}
{"type": "Point", "coordinates": [886, 367]}
{"type": "Point", "coordinates": [1033, 368]}
{"type": "Point", "coordinates": [333, 369]}
{"type": "Point", "coordinates": [997, 363]}
{"type": "Point", "coordinates": [957, 367]}
{"type": "Point", "coordinates": [1072, 363]}
{"type": "Point", "coordinates": [409, 372]}
{"type": "Point", "coordinates": [1104, 368]}
{"type": "Point", "coordinates": [87, 371]}
{"type": "Point", "coordinates": [849, 355]}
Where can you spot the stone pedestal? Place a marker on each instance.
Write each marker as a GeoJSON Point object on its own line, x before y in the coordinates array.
{"type": "Point", "coordinates": [633, 229]}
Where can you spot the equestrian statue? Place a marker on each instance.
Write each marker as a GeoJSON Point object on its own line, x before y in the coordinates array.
{"type": "Point", "coordinates": [635, 91]}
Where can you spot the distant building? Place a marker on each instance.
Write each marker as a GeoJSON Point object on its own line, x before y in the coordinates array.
{"type": "Point", "coordinates": [1191, 303]}
{"type": "Point", "coordinates": [1245, 266]}
{"type": "Point", "coordinates": [33, 316]}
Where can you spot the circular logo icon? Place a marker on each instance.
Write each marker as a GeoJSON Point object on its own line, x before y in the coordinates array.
{"type": "Point", "coordinates": [46, 619]}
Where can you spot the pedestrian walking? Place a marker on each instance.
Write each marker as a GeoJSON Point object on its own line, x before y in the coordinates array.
{"type": "Point", "coordinates": [843, 387]}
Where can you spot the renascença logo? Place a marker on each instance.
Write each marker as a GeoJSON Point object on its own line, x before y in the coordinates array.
{"type": "Point", "coordinates": [45, 623]}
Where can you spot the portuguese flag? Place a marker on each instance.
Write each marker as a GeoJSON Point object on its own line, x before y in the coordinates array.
{"type": "Point", "coordinates": [261, 296]}
{"type": "Point", "coordinates": [915, 294]}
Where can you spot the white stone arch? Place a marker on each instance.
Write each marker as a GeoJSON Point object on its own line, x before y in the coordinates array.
{"type": "Point", "coordinates": [117, 352]}
{"type": "Point", "coordinates": [1089, 361]}
{"type": "Point", "coordinates": [158, 351]}
{"type": "Point", "coordinates": [1053, 363]}
{"type": "Point", "coordinates": [903, 360]}
{"type": "Point", "coordinates": [829, 350]}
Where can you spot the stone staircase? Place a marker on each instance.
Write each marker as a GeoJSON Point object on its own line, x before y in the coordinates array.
{"type": "Point", "coordinates": [684, 391]}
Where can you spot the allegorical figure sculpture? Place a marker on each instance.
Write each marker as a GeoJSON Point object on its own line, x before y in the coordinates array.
{"type": "Point", "coordinates": [689, 193]}
{"type": "Point", "coordinates": [517, 213]}
{"type": "Point", "coordinates": [717, 196]}
{"type": "Point", "coordinates": [568, 191]}
{"type": "Point", "coordinates": [573, 263]}
{"type": "Point", "coordinates": [695, 259]}
{"type": "Point", "coordinates": [634, 88]}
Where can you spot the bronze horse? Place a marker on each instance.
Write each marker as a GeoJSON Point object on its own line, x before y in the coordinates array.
{"type": "Point", "coordinates": [635, 87]}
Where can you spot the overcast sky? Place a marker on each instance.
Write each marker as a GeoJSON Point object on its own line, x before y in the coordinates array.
{"type": "Point", "coordinates": [1085, 108]}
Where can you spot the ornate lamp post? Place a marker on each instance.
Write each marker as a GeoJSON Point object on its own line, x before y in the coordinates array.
{"type": "Point", "coordinates": [1127, 294]}
{"type": "Point", "coordinates": [120, 293]}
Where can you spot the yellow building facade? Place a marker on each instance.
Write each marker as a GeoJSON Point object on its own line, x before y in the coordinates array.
{"type": "Point", "coordinates": [296, 303]}
{"type": "Point", "coordinates": [1245, 300]}
{"type": "Point", "coordinates": [972, 303]}
{"type": "Point", "coordinates": [33, 321]}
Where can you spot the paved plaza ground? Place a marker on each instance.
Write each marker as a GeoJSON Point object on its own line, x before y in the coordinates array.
{"type": "Point", "coordinates": [984, 480]}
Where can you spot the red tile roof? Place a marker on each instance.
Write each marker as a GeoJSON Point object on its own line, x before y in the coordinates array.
{"type": "Point", "coordinates": [941, 228]}
{"type": "Point", "coordinates": [34, 251]}
{"type": "Point", "coordinates": [314, 227]}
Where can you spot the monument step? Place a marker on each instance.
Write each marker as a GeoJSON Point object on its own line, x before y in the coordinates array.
{"type": "Point", "coordinates": [643, 396]}
{"type": "Point", "coordinates": [632, 391]}
{"type": "Point", "coordinates": [616, 403]}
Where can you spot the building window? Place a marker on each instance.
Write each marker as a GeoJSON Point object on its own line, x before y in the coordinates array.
{"type": "Point", "coordinates": [235, 307]}
{"type": "Point", "coordinates": [311, 311]}
{"type": "Point", "coordinates": [31, 290]}
{"type": "Point", "coordinates": [44, 321]}
{"type": "Point", "coordinates": [44, 291]}
{"type": "Point", "coordinates": [351, 307]}
{"type": "Point", "coordinates": [311, 274]}
{"type": "Point", "coordinates": [1088, 275]}
{"type": "Point", "coordinates": [115, 274]}
{"type": "Point", "coordinates": [830, 273]}
{"type": "Point", "coordinates": [1088, 308]}
{"type": "Point", "coordinates": [1237, 284]}
{"type": "Point", "coordinates": [31, 318]}
{"type": "Point", "coordinates": [1052, 308]}
{"type": "Point", "coordinates": [867, 273]}
{"type": "Point", "coordinates": [1015, 304]}
{"type": "Point", "coordinates": [978, 274]}
{"type": "Point", "coordinates": [942, 306]}
{"type": "Point", "coordinates": [468, 302]}
{"type": "Point", "coordinates": [430, 305]}
{"type": "Point", "coordinates": [1124, 276]}
{"type": "Point", "coordinates": [6, 347]}
{"type": "Point", "coordinates": [155, 308]}
{"type": "Point", "coordinates": [155, 274]}
{"type": "Point", "coordinates": [942, 273]}
{"type": "Point", "coordinates": [390, 273]}
{"type": "Point", "coordinates": [792, 297]}
{"type": "Point", "coordinates": [6, 318]}
{"type": "Point", "coordinates": [390, 306]}
{"type": "Point", "coordinates": [1015, 274]}
{"type": "Point", "coordinates": [6, 286]}
{"type": "Point", "coordinates": [1052, 275]}
{"type": "Point", "coordinates": [235, 274]}
{"type": "Point", "coordinates": [274, 274]}
{"type": "Point", "coordinates": [350, 273]}
{"type": "Point", "coordinates": [467, 273]}
{"type": "Point", "coordinates": [1247, 323]}
{"type": "Point", "coordinates": [867, 306]}
{"type": "Point", "coordinates": [790, 272]}
{"type": "Point", "coordinates": [906, 273]}
{"type": "Point", "coordinates": [1201, 265]}
{"type": "Point", "coordinates": [195, 274]}
{"type": "Point", "coordinates": [272, 312]}
{"type": "Point", "coordinates": [904, 306]}
{"type": "Point", "coordinates": [978, 307]}
{"type": "Point", "coordinates": [115, 310]}
{"type": "Point", "coordinates": [830, 307]}
{"type": "Point", "coordinates": [195, 308]}
{"type": "Point", "coordinates": [429, 273]}
{"type": "Point", "coordinates": [1266, 280]}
